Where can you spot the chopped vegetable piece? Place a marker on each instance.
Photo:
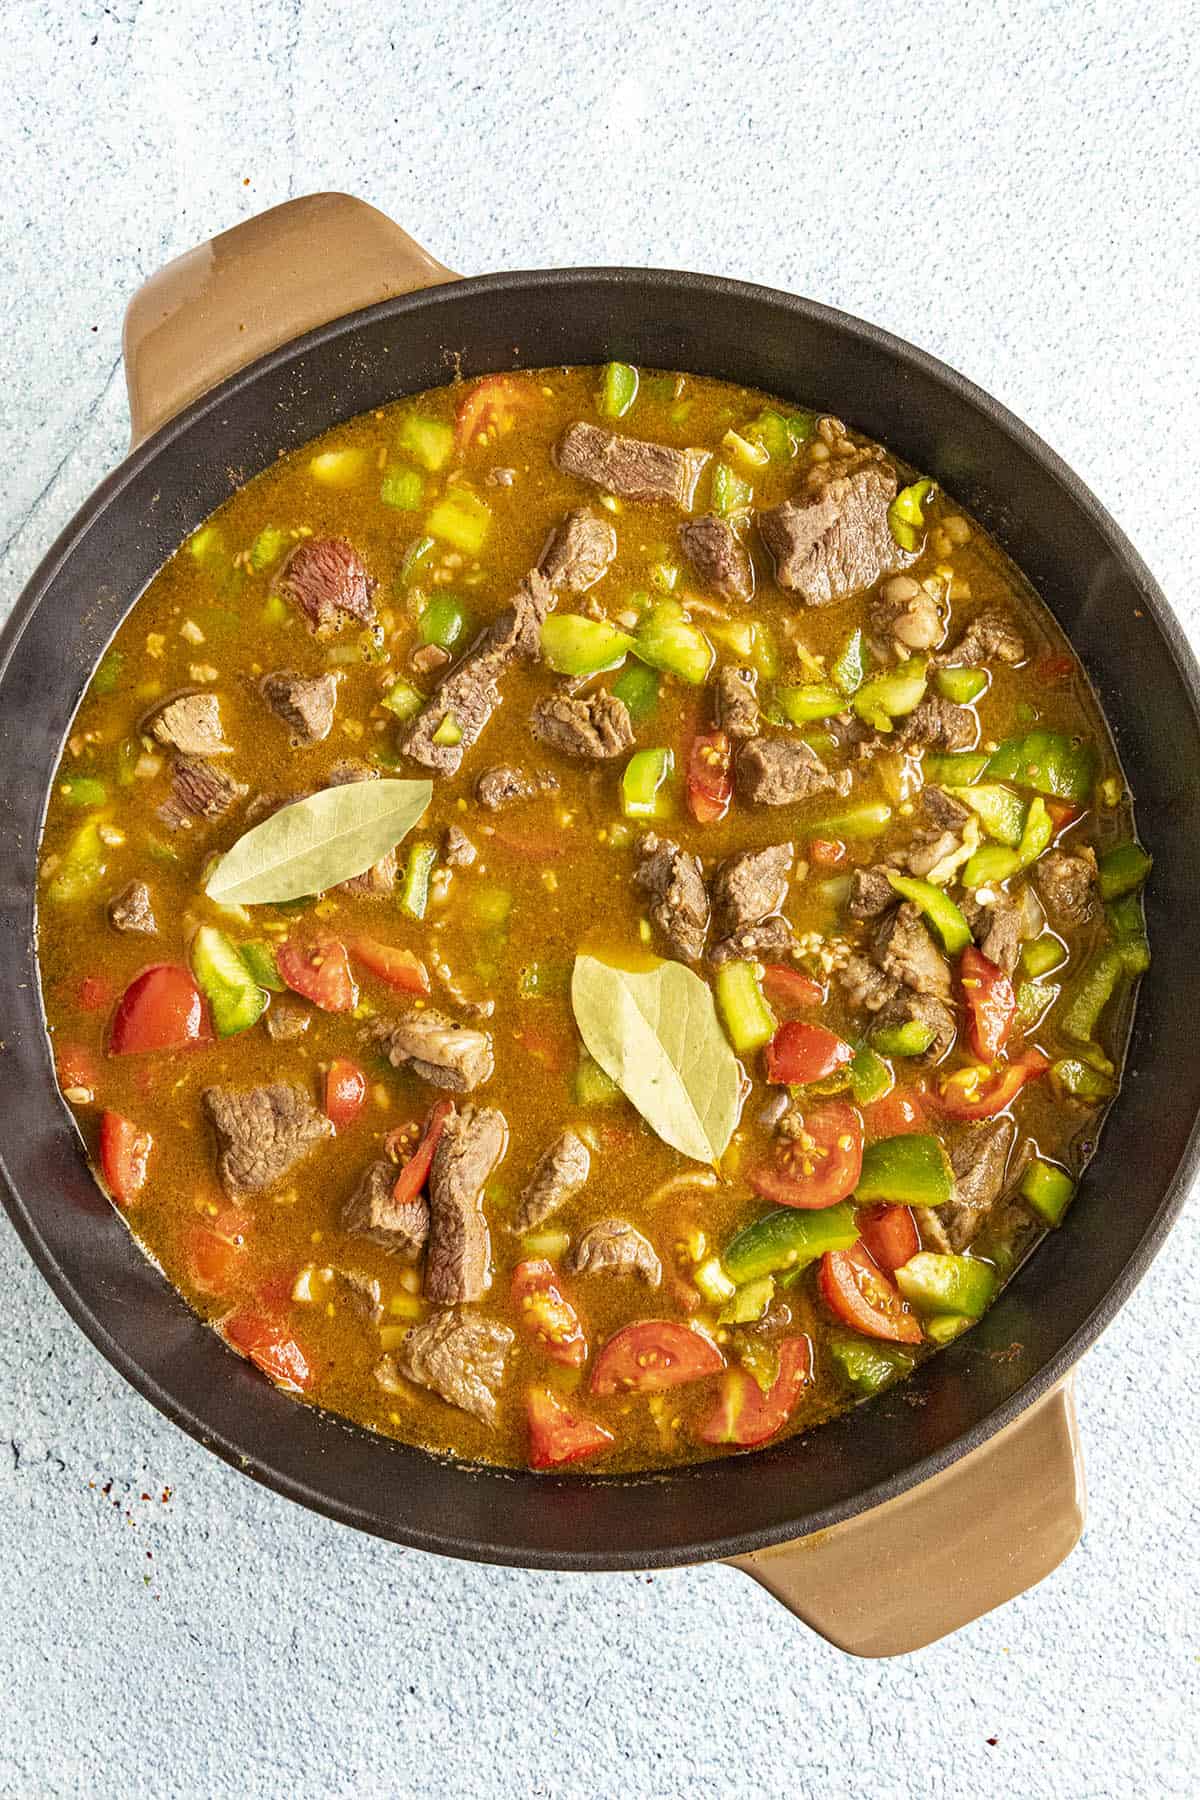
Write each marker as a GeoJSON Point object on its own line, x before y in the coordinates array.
{"type": "Point", "coordinates": [428, 441]}
{"type": "Point", "coordinates": [744, 1012]}
{"type": "Point", "coordinates": [415, 555]}
{"type": "Point", "coordinates": [642, 784]}
{"type": "Point", "coordinates": [592, 1086]}
{"type": "Point", "coordinates": [82, 865]}
{"type": "Point", "coordinates": [620, 389]}
{"type": "Point", "coordinates": [896, 1112]}
{"type": "Point", "coordinates": [800, 1052]}
{"type": "Point", "coordinates": [748, 1303]}
{"type": "Point", "coordinates": [819, 1165]}
{"type": "Point", "coordinates": [786, 987]}
{"type": "Point", "coordinates": [401, 969]}
{"type": "Point", "coordinates": [539, 981]}
{"type": "Point", "coordinates": [403, 700]}
{"type": "Point", "coordinates": [787, 1240]}
{"type": "Point", "coordinates": [558, 1436]}
{"type": "Point", "coordinates": [236, 1000]}
{"type": "Point", "coordinates": [890, 1234]}
{"type": "Point", "coordinates": [892, 694]}
{"type": "Point", "coordinates": [449, 731]}
{"type": "Point", "coordinates": [910, 1170]}
{"type": "Point", "coordinates": [107, 678]}
{"type": "Point", "coordinates": [801, 705]}
{"type": "Point", "coordinates": [912, 1038]}
{"type": "Point", "coordinates": [403, 489]}
{"type": "Point", "coordinates": [743, 1414]}
{"type": "Point", "coordinates": [994, 863]}
{"type": "Point", "coordinates": [1122, 870]}
{"type": "Point", "coordinates": [414, 889]}
{"type": "Point", "coordinates": [980, 1092]}
{"type": "Point", "coordinates": [266, 1344]}
{"type": "Point", "coordinates": [906, 517]}
{"type": "Point", "coordinates": [575, 645]}
{"type": "Point", "coordinates": [637, 688]}
{"type": "Point", "coordinates": [709, 777]}
{"type": "Point", "coordinates": [961, 685]}
{"type": "Point", "coordinates": [870, 1077]}
{"type": "Point", "coordinates": [937, 1284]}
{"type": "Point", "coordinates": [337, 468]}
{"type": "Point", "coordinates": [770, 429]}
{"type": "Point", "coordinates": [1071, 1075]}
{"type": "Point", "coordinates": [730, 494]}
{"type": "Point", "coordinates": [864, 821]}
{"type": "Point", "coordinates": [1001, 812]}
{"type": "Point", "coordinates": [746, 450]}
{"type": "Point", "coordinates": [666, 639]}
{"type": "Point", "coordinates": [259, 958]}
{"type": "Point", "coordinates": [941, 912]}
{"type": "Point", "coordinates": [548, 1320]}
{"type": "Point", "coordinates": [849, 669]}
{"type": "Point", "coordinates": [713, 1282]}
{"type": "Point", "coordinates": [320, 971]}
{"type": "Point", "coordinates": [267, 548]}
{"type": "Point", "coordinates": [867, 1365]}
{"type": "Point", "coordinates": [1044, 954]}
{"type": "Point", "coordinates": [1049, 762]}
{"type": "Point", "coordinates": [415, 1173]}
{"type": "Point", "coordinates": [83, 790]}
{"type": "Point", "coordinates": [461, 519]}
{"type": "Point", "coordinates": [954, 768]}
{"type": "Point", "coordinates": [445, 622]}
{"type": "Point", "coordinates": [1048, 1189]}
{"type": "Point", "coordinates": [161, 1009]}
{"type": "Point", "coordinates": [653, 1354]}
{"type": "Point", "coordinates": [859, 1294]}
{"type": "Point", "coordinates": [124, 1157]}
{"type": "Point", "coordinates": [1091, 993]}
{"type": "Point", "coordinates": [345, 1092]}
{"type": "Point", "coordinates": [1034, 1000]}
{"type": "Point", "coordinates": [991, 1004]}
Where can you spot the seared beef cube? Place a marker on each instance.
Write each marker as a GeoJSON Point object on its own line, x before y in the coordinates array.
{"type": "Point", "coordinates": [947, 813]}
{"type": "Point", "coordinates": [131, 909]}
{"type": "Point", "coordinates": [401, 1227]}
{"type": "Point", "coordinates": [304, 703]}
{"type": "Point", "coordinates": [458, 1266]}
{"type": "Point", "coordinates": [560, 1174]}
{"type": "Point", "coordinates": [674, 882]}
{"type": "Point", "coordinates": [629, 467]}
{"type": "Point", "coordinates": [871, 893]}
{"type": "Point", "coordinates": [286, 1020]}
{"type": "Point", "coordinates": [458, 852]}
{"type": "Point", "coordinates": [711, 546]}
{"type": "Point", "coordinates": [262, 1133]}
{"type": "Point", "coordinates": [867, 987]}
{"type": "Point", "coordinates": [327, 580]}
{"type": "Point", "coordinates": [907, 1006]}
{"type": "Point", "coordinates": [999, 929]}
{"type": "Point", "coordinates": [439, 1050]}
{"type": "Point", "coordinates": [989, 638]}
{"type": "Point", "coordinates": [979, 1161]}
{"type": "Point", "coordinates": [926, 850]}
{"type": "Point", "coordinates": [198, 791]}
{"type": "Point", "coordinates": [837, 541]}
{"type": "Point", "coordinates": [593, 726]}
{"type": "Point", "coordinates": [767, 941]}
{"type": "Point", "coordinates": [937, 724]}
{"type": "Point", "coordinates": [904, 950]}
{"type": "Point", "coordinates": [457, 1356]}
{"type": "Point", "coordinates": [737, 702]}
{"type": "Point", "coordinates": [578, 552]}
{"type": "Point", "coordinates": [781, 771]}
{"type": "Point", "coordinates": [904, 611]}
{"type": "Point", "coordinates": [613, 1247]}
{"type": "Point", "coordinates": [1067, 884]}
{"type": "Point", "coordinates": [191, 724]}
{"type": "Point", "coordinates": [504, 786]}
{"type": "Point", "coordinates": [750, 886]}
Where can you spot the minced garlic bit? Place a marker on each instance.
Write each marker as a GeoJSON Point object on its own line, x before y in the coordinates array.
{"type": "Point", "coordinates": [202, 672]}
{"type": "Point", "coordinates": [156, 643]}
{"type": "Point", "coordinates": [191, 632]}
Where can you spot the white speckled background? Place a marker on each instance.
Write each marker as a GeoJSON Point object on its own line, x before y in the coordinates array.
{"type": "Point", "coordinates": [1014, 187]}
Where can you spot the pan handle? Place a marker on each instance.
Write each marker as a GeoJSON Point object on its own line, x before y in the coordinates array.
{"type": "Point", "coordinates": [917, 1568]}
{"type": "Point", "coordinates": [266, 281]}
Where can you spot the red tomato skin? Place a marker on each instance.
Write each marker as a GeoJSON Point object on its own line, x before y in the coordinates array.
{"type": "Point", "coordinates": [786, 987]}
{"type": "Point", "coordinates": [878, 1312]}
{"type": "Point", "coordinates": [709, 777]}
{"type": "Point", "coordinates": [1052, 669]}
{"type": "Point", "coordinates": [557, 1436]}
{"type": "Point", "coordinates": [743, 1414]}
{"type": "Point", "coordinates": [214, 1251]}
{"type": "Point", "coordinates": [401, 969]}
{"type": "Point", "coordinates": [994, 1095]}
{"type": "Point", "coordinates": [837, 1130]}
{"type": "Point", "coordinates": [75, 1066]}
{"type": "Point", "coordinates": [345, 1092]}
{"type": "Point", "coordinates": [124, 1157]}
{"type": "Point", "coordinates": [653, 1354]}
{"type": "Point", "coordinates": [489, 406]}
{"type": "Point", "coordinates": [890, 1234]}
{"type": "Point", "coordinates": [554, 1050]}
{"type": "Point", "coordinates": [268, 1347]}
{"type": "Point", "coordinates": [547, 1318]}
{"type": "Point", "coordinates": [415, 1173]}
{"type": "Point", "coordinates": [827, 853]}
{"type": "Point", "coordinates": [900, 1111]}
{"type": "Point", "coordinates": [799, 1053]}
{"type": "Point", "coordinates": [94, 993]}
{"type": "Point", "coordinates": [161, 1009]}
{"type": "Point", "coordinates": [990, 1001]}
{"type": "Point", "coordinates": [1061, 814]}
{"type": "Point", "coordinates": [320, 972]}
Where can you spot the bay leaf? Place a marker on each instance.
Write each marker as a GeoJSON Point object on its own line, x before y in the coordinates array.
{"type": "Point", "coordinates": [655, 1032]}
{"type": "Point", "coordinates": [315, 843]}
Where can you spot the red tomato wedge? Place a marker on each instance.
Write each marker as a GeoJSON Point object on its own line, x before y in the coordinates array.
{"type": "Point", "coordinates": [345, 1092]}
{"type": "Point", "coordinates": [800, 1053]}
{"type": "Point", "coordinates": [124, 1157]}
{"type": "Point", "coordinates": [861, 1296]}
{"type": "Point", "coordinates": [1053, 669]}
{"type": "Point", "coordinates": [547, 1319]}
{"type": "Point", "coordinates": [900, 1111]}
{"type": "Point", "coordinates": [554, 1050]}
{"type": "Point", "coordinates": [161, 1009]}
{"type": "Point", "coordinates": [531, 846]}
{"type": "Point", "coordinates": [820, 1166]}
{"type": "Point", "coordinates": [786, 988]}
{"type": "Point", "coordinates": [890, 1234]}
{"type": "Point", "coordinates": [1061, 814]}
{"type": "Point", "coordinates": [745, 1415]}
{"type": "Point", "coordinates": [320, 972]}
{"type": "Point", "coordinates": [709, 777]}
{"type": "Point", "coordinates": [827, 853]}
{"type": "Point", "coordinates": [214, 1251]}
{"type": "Point", "coordinates": [415, 1173]}
{"type": "Point", "coordinates": [557, 1436]}
{"type": "Point", "coordinates": [94, 993]}
{"type": "Point", "coordinates": [991, 1003]}
{"type": "Point", "coordinates": [978, 1092]}
{"type": "Point", "coordinates": [652, 1354]}
{"type": "Point", "coordinates": [490, 409]}
{"type": "Point", "coordinates": [401, 969]}
{"type": "Point", "coordinates": [75, 1066]}
{"type": "Point", "coordinates": [266, 1344]}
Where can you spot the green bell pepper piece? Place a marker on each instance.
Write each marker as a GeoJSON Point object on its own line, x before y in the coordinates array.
{"type": "Point", "coordinates": [909, 1170]}
{"type": "Point", "coordinates": [428, 441]}
{"type": "Point", "coordinates": [403, 700]}
{"type": "Point", "coordinates": [592, 1087]}
{"type": "Point", "coordinates": [953, 768]}
{"type": "Point", "coordinates": [267, 548]}
{"type": "Point", "coordinates": [745, 1014]}
{"type": "Point", "coordinates": [942, 1285]}
{"type": "Point", "coordinates": [801, 705]}
{"type": "Point", "coordinates": [444, 622]}
{"type": "Point", "coordinates": [575, 645]}
{"type": "Point", "coordinates": [82, 866]}
{"type": "Point", "coordinates": [770, 429]}
{"type": "Point", "coordinates": [870, 1077]}
{"type": "Point", "coordinates": [1034, 1000]}
{"type": "Point", "coordinates": [1123, 869]}
{"type": "Point", "coordinates": [414, 890]}
{"type": "Point", "coordinates": [866, 1364]}
{"type": "Point", "coordinates": [912, 1038]}
{"type": "Point", "coordinates": [414, 556]}
{"type": "Point", "coordinates": [941, 912]}
{"type": "Point", "coordinates": [993, 863]}
{"type": "Point", "coordinates": [402, 488]}
{"type": "Point", "coordinates": [905, 515]}
{"type": "Point", "coordinates": [1048, 1190]}
{"type": "Point", "coordinates": [749, 1302]}
{"type": "Point", "coordinates": [848, 670]}
{"type": "Point", "coordinates": [620, 389]}
{"type": "Point", "coordinates": [259, 958]}
{"type": "Point", "coordinates": [730, 494]}
{"type": "Point", "coordinates": [645, 777]}
{"type": "Point", "coordinates": [83, 790]}
{"type": "Point", "coordinates": [637, 686]}
{"type": "Point", "coordinates": [1071, 1075]}
{"type": "Point", "coordinates": [462, 520]}
{"type": "Point", "coordinates": [864, 821]}
{"type": "Point", "coordinates": [1049, 762]}
{"type": "Point", "coordinates": [1098, 982]}
{"type": "Point", "coordinates": [236, 1000]}
{"type": "Point", "coordinates": [788, 1239]}
{"type": "Point", "coordinates": [449, 731]}
{"type": "Point", "coordinates": [666, 639]}
{"type": "Point", "coordinates": [1044, 954]}
{"type": "Point", "coordinates": [961, 685]}
{"type": "Point", "coordinates": [1001, 812]}
{"type": "Point", "coordinates": [107, 678]}
{"type": "Point", "coordinates": [947, 1326]}
{"type": "Point", "coordinates": [891, 694]}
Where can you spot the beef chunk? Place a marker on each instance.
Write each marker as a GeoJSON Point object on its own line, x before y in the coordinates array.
{"type": "Point", "coordinates": [907, 1006]}
{"type": "Point", "coordinates": [505, 786]}
{"type": "Point", "coordinates": [558, 1176]}
{"type": "Point", "coordinates": [578, 552]}
{"type": "Point", "coordinates": [1067, 884]}
{"type": "Point", "coordinates": [131, 909]}
{"type": "Point", "coordinates": [325, 578]}
{"type": "Point", "coordinates": [304, 703]}
{"type": "Point", "coordinates": [629, 467]}
{"type": "Point", "coordinates": [612, 1246]}
{"type": "Point", "coordinates": [947, 813]}
{"type": "Point", "coordinates": [999, 929]}
{"type": "Point", "coordinates": [594, 726]}
{"type": "Point", "coordinates": [937, 724]}
{"type": "Point", "coordinates": [904, 950]}
{"type": "Point", "coordinates": [737, 702]}
{"type": "Point", "coordinates": [286, 1020]}
{"type": "Point", "coordinates": [722, 564]}
{"type": "Point", "coordinates": [458, 1266]}
{"type": "Point", "coordinates": [767, 941]}
{"type": "Point", "coordinates": [750, 886]}
{"type": "Point", "coordinates": [871, 893]}
{"type": "Point", "coordinates": [926, 850]}
{"type": "Point", "coordinates": [468, 695]}
{"type": "Point", "coordinates": [989, 638]}
{"type": "Point", "coordinates": [458, 852]}
{"type": "Point", "coordinates": [867, 987]}
{"type": "Point", "coordinates": [979, 1161]}
{"type": "Point", "coordinates": [837, 541]}
{"type": "Point", "coordinates": [262, 1133]}
{"type": "Point", "coordinates": [198, 791]}
{"type": "Point", "coordinates": [191, 724]}
{"type": "Point", "coordinates": [781, 771]}
{"type": "Point", "coordinates": [674, 881]}
{"type": "Point", "coordinates": [457, 1356]}
{"type": "Point", "coordinates": [439, 1050]}
{"type": "Point", "coordinates": [905, 612]}
{"type": "Point", "coordinates": [373, 1212]}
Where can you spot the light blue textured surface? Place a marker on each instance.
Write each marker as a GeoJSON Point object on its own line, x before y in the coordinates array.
{"type": "Point", "coordinates": [1012, 186]}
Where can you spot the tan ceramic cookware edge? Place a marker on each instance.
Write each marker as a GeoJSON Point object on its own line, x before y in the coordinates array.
{"type": "Point", "coordinates": [996, 1522]}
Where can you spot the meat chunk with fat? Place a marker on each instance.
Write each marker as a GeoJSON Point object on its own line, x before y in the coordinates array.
{"type": "Point", "coordinates": [629, 467]}
{"type": "Point", "coordinates": [904, 949]}
{"type": "Point", "coordinates": [305, 703]}
{"type": "Point", "coordinates": [614, 1247]}
{"type": "Point", "coordinates": [559, 1174]}
{"type": "Point", "coordinates": [458, 1264]}
{"type": "Point", "coordinates": [937, 724]}
{"type": "Point", "coordinates": [503, 786]}
{"type": "Point", "coordinates": [458, 1356]}
{"type": "Point", "coordinates": [943, 810]}
{"type": "Point", "coordinates": [991, 637]}
{"type": "Point", "coordinates": [286, 1021]}
{"type": "Point", "coordinates": [327, 581]}
{"type": "Point", "coordinates": [593, 727]}
{"type": "Point", "coordinates": [262, 1133]}
{"type": "Point", "coordinates": [578, 551]}
{"type": "Point", "coordinates": [999, 928]}
{"type": "Point", "coordinates": [748, 889]}
{"type": "Point", "coordinates": [782, 771]}
{"type": "Point", "coordinates": [674, 883]}
{"type": "Point", "coordinates": [836, 541]}
{"type": "Point", "coordinates": [133, 910]}
{"type": "Point", "coordinates": [1066, 881]}
{"type": "Point", "coordinates": [980, 1161]}
{"type": "Point", "coordinates": [721, 562]}
{"type": "Point", "coordinates": [905, 612]}
{"type": "Point", "coordinates": [401, 1227]}
{"type": "Point", "coordinates": [737, 702]}
{"type": "Point", "coordinates": [438, 1049]}
{"type": "Point", "coordinates": [871, 894]}
{"type": "Point", "coordinates": [765, 942]}
{"type": "Point", "coordinates": [198, 791]}
{"type": "Point", "coordinates": [191, 724]}
{"type": "Point", "coordinates": [458, 852]}
{"type": "Point", "coordinates": [907, 1007]}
